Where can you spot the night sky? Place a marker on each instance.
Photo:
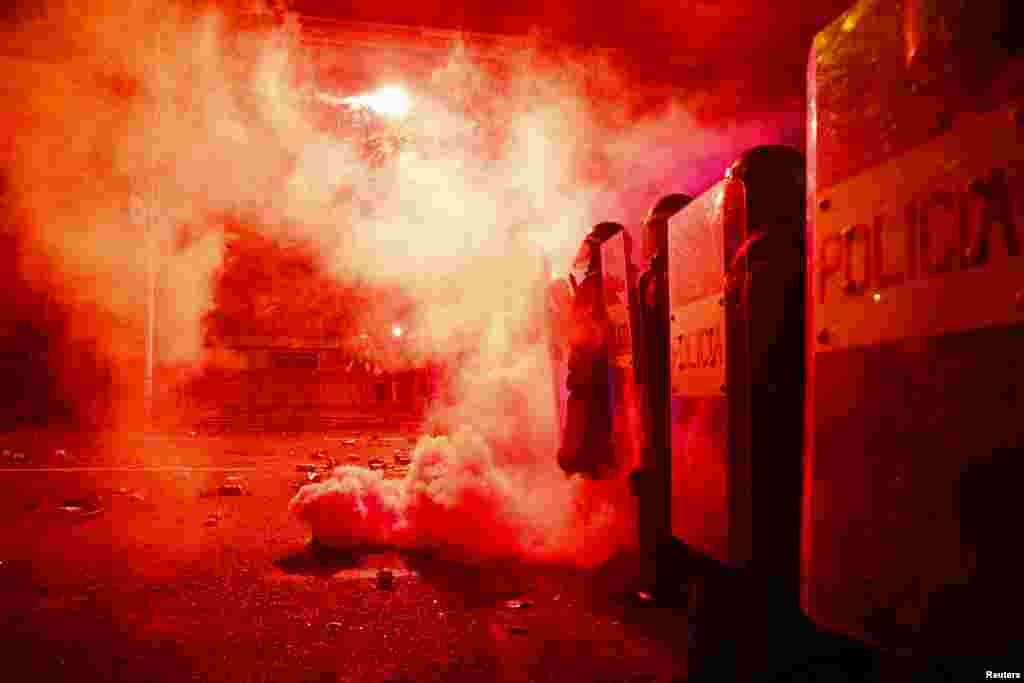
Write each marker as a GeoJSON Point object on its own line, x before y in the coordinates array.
{"type": "Point", "coordinates": [750, 54]}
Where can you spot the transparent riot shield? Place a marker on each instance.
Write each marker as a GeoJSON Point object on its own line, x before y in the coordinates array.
{"type": "Point", "coordinates": [619, 281]}
{"type": "Point", "coordinates": [916, 302]}
{"type": "Point", "coordinates": [710, 457]}
{"type": "Point", "coordinates": [736, 326]}
{"type": "Point", "coordinates": [587, 440]}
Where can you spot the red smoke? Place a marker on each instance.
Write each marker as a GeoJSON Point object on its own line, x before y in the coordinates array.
{"type": "Point", "coordinates": [152, 119]}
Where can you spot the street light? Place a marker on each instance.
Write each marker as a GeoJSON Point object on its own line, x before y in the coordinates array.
{"type": "Point", "coordinates": [397, 331]}
{"type": "Point", "coordinates": [391, 101]}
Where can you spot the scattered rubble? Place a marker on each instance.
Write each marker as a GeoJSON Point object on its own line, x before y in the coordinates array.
{"type": "Point", "coordinates": [397, 472]}
{"type": "Point", "coordinates": [82, 508]}
{"type": "Point", "coordinates": [231, 488]}
{"type": "Point", "coordinates": [213, 519]}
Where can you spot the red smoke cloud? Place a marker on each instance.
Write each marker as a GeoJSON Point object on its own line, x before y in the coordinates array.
{"type": "Point", "coordinates": [151, 119]}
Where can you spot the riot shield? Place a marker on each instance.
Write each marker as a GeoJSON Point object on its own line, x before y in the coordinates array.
{"type": "Point", "coordinates": [916, 303]}
{"type": "Point", "coordinates": [619, 281]}
{"type": "Point", "coordinates": [736, 325]}
{"type": "Point", "coordinates": [587, 443]}
{"type": "Point", "coordinates": [710, 454]}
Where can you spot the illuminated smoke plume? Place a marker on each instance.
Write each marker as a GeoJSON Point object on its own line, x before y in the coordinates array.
{"type": "Point", "coordinates": [153, 121]}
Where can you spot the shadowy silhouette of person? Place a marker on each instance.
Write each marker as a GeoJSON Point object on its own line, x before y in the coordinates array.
{"type": "Point", "coordinates": [586, 446]}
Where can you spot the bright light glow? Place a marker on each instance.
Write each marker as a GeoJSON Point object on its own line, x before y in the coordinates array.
{"type": "Point", "coordinates": [397, 331]}
{"type": "Point", "coordinates": [876, 296]}
{"type": "Point", "coordinates": [391, 101]}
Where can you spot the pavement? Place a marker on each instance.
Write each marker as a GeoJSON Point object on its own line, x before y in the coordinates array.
{"type": "Point", "coordinates": [169, 557]}
{"type": "Point", "coordinates": [128, 562]}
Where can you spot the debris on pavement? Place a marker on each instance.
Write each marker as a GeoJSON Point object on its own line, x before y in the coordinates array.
{"type": "Point", "coordinates": [396, 472]}
{"type": "Point", "coordinates": [82, 508]}
{"type": "Point", "coordinates": [231, 488]}
{"type": "Point", "coordinates": [213, 518]}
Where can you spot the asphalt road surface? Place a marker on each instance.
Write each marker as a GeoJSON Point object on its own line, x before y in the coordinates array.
{"type": "Point", "coordinates": [129, 563]}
